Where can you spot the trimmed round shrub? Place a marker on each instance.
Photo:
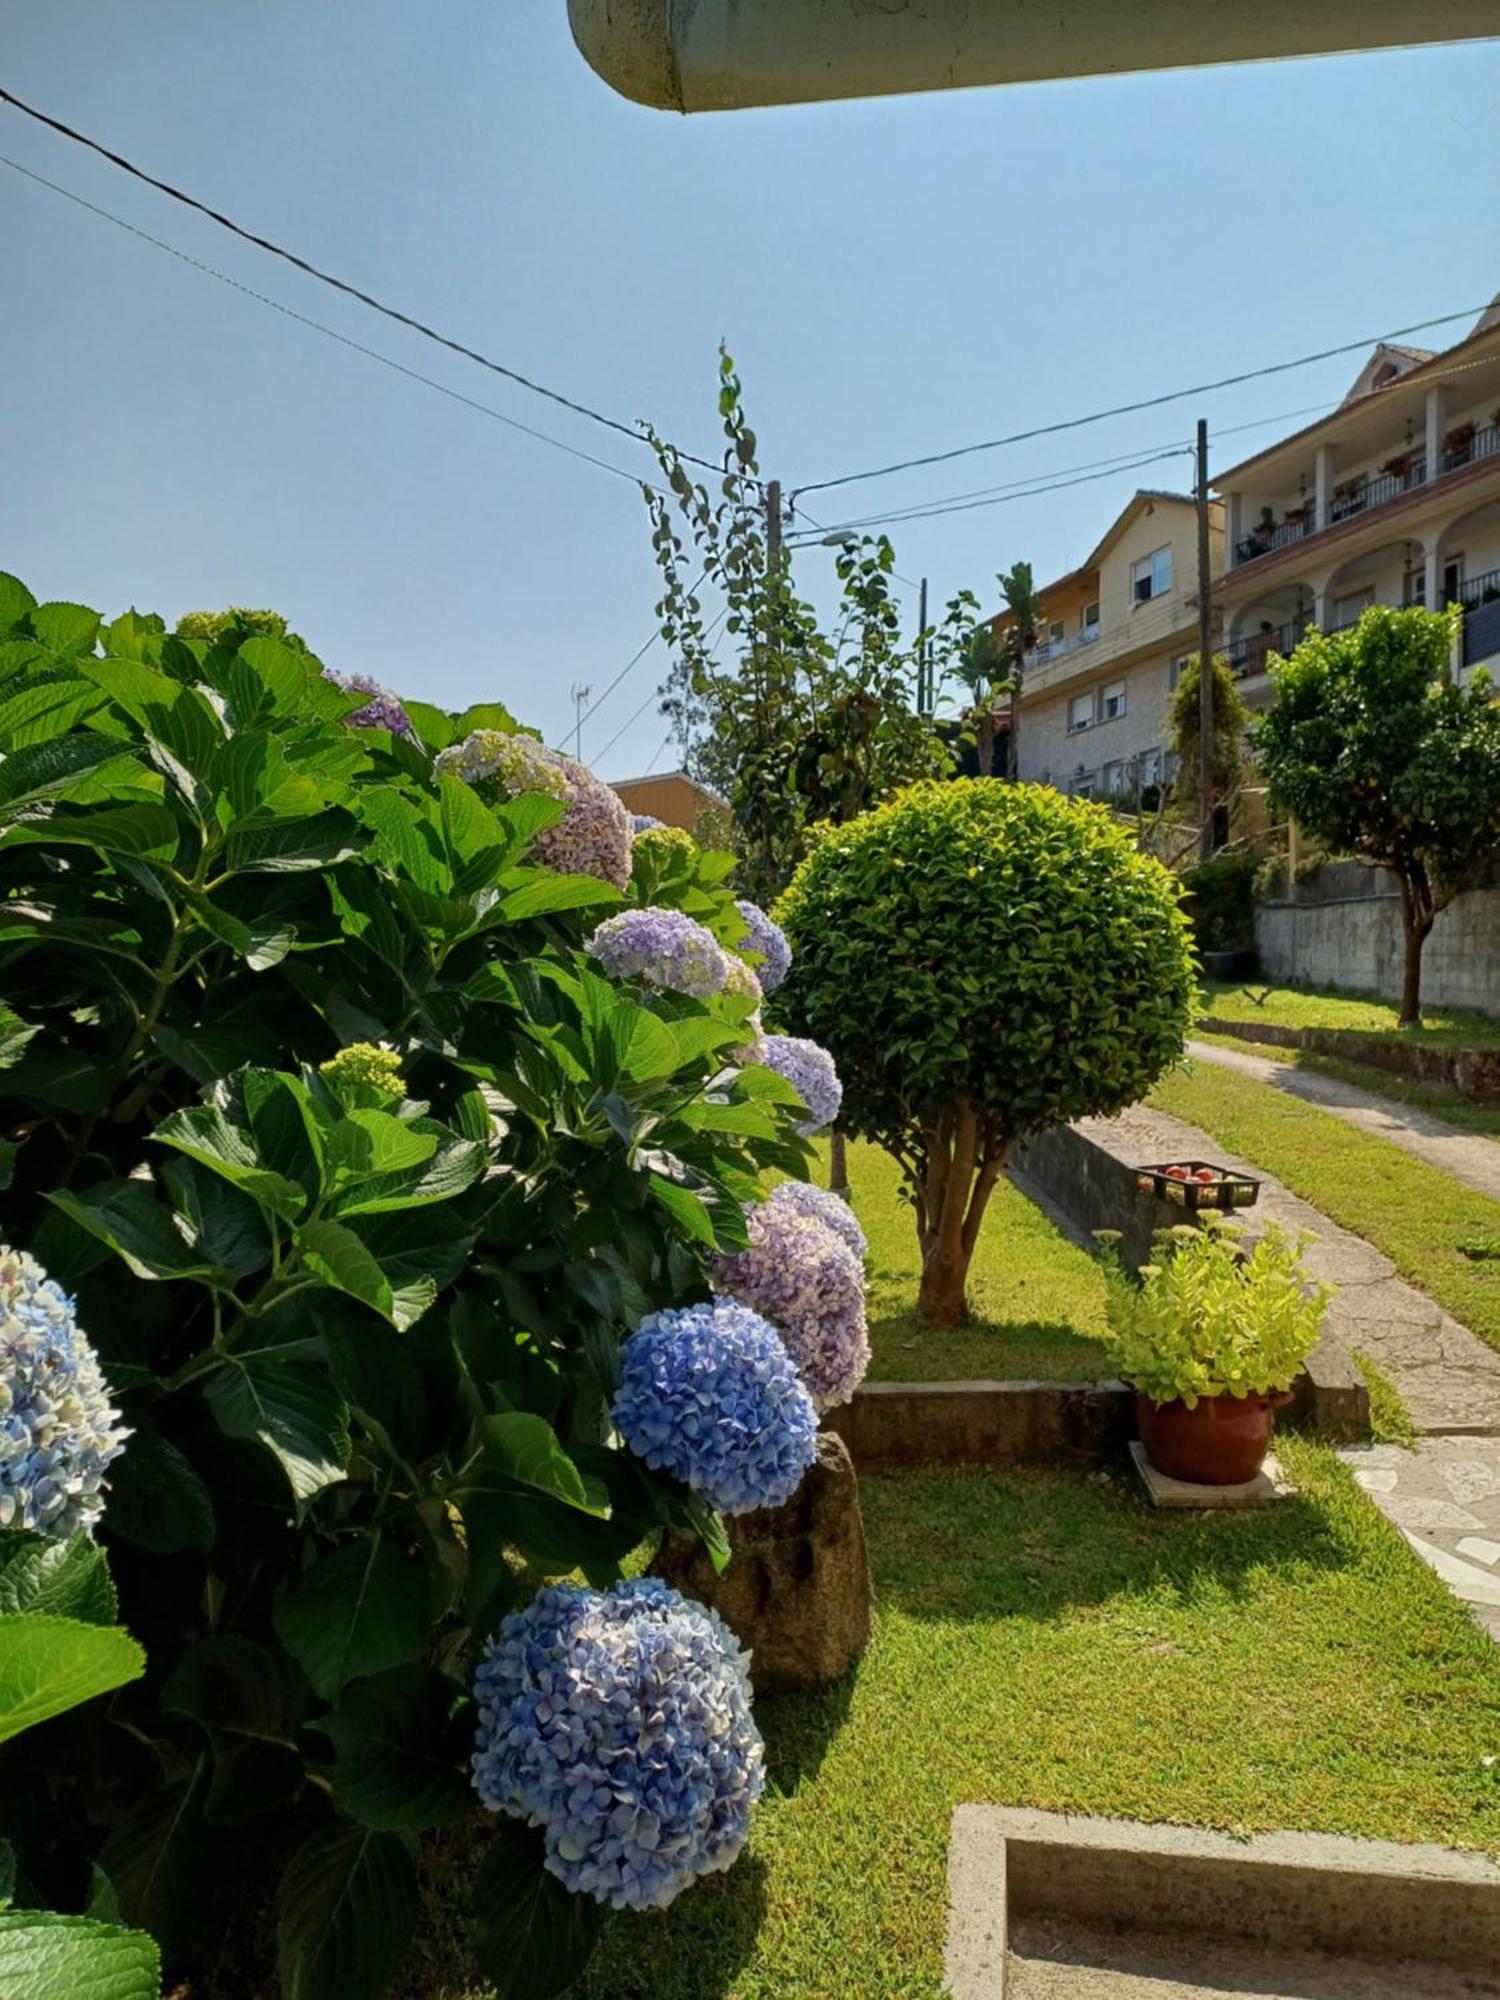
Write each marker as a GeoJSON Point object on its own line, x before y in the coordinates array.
{"type": "Point", "coordinates": [59, 1433]}
{"type": "Point", "coordinates": [982, 960]}
{"type": "Point", "coordinates": [619, 1723]}
{"type": "Point", "coordinates": [709, 1394]}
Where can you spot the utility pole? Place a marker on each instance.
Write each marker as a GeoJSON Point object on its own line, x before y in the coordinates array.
{"type": "Point", "coordinates": [1205, 658]}
{"type": "Point", "coordinates": [773, 524]}
{"type": "Point", "coordinates": [924, 657]}
{"type": "Point", "coordinates": [580, 695]}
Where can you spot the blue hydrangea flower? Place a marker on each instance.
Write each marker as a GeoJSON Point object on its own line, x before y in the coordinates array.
{"type": "Point", "coordinates": [592, 837]}
{"type": "Point", "coordinates": [808, 1067]}
{"type": "Point", "coordinates": [802, 1198]}
{"type": "Point", "coordinates": [769, 939]}
{"type": "Point", "coordinates": [58, 1433]}
{"type": "Point", "coordinates": [619, 1723]}
{"type": "Point", "coordinates": [810, 1285]}
{"type": "Point", "coordinates": [381, 711]}
{"type": "Point", "coordinates": [644, 822]}
{"type": "Point", "coordinates": [664, 948]}
{"type": "Point", "coordinates": [708, 1393]}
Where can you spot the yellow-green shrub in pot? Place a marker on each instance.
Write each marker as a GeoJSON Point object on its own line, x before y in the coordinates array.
{"type": "Point", "coordinates": [1211, 1339]}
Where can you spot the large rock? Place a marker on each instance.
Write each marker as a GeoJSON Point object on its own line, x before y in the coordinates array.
{"type": "Point", "coordinates": [797, 1589]}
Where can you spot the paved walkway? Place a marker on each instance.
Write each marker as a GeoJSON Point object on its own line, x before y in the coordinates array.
{"type": "Point", "coordinates": [1449, 1378]}
{"type": "Point", "coordinates": [1445, 1499]}
{"type": "Point", "coordinates": [1467, 1156]}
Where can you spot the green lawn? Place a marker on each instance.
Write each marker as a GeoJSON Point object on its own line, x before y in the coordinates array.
{"type": "Point", "coordinates": [1447, 1104]}
{"type": "Point", "coordinates": [1291, 1007]}
{"type": "Point", "coordinates": [1441, 1236]}
{"type": "Point", "coordinates": [1038, 1299]}
{"type": "Point", "coordinates": [1045, 1640]}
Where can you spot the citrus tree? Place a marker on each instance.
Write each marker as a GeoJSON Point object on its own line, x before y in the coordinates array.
{"type": "Point", "coordinates": [338, 1176]}
{"type": "Point", "coordinates": [982, 961]}
{"type": "Point", "coordinates": [1377, 752]}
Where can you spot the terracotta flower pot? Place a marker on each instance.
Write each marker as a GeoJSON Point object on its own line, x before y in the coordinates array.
{"type": "Point", "coordinates": [1221, 1441]}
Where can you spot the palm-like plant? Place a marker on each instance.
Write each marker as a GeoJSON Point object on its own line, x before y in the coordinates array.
{"type": "Point", "coordinates": [1018, 588]}
{"type": "Point", "coordinates": [983, 668]}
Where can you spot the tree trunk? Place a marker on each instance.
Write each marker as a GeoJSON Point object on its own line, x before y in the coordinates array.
{"type": "Point", "coordinates": [1416, 922]}
{"type": "Point", "coordinates": [985, 745]}
{"type": "Point", "coordinates": [838, 1164]}
{"type": "Point", "coordinates": [966, 1156]}
{"type": "Point", "coordinates": [1013, 735]}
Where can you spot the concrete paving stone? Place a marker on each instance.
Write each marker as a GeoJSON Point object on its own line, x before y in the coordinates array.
{"type": "Point", "coordinates": [1428, 1516]}
{"type": "Point", "coordinates": [1474, 1586]}
{"type": "Point", "coordinates": [1470, 1479]}
{"type": "Point", "coordinates": [1477, 1549]}
{"type": "Point", "coordinates": [1378, 1480]}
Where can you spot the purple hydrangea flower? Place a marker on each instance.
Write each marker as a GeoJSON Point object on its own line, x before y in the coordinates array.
{"type": "Point", "coordinates": [708, 1394]}
{"type": "Point", "coordinates": [663, 948]}
{"type": "Point", "coordinates": [619, 1723]}
{"type": "Point", "coordinates": [58, 1432]}
{"type": "Point", "coordinates": [802, 1198]}
{"type": "Point", "coordinates": [644, 822]}
{"type": "Point", "coordinates": [381, 711]}
{"type": "Point", "coordinates": [808, 1067]}
{"type": "Point", "coordinates": [811, 1287]}
{"type": "Point", "coordinates": [592, 837]}
{"type": "Point", "coordinates": [769, 939]}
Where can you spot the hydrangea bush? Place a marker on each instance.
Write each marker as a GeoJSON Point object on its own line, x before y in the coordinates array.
{"type": "Point", "coordinates": [661, 948]}
{"type": "Point", "coordinates": [592, 837]}
{"type": "Point", "coordinates": [810, 1069]}
{"type": "Point", "coordinates": [360, 1169]}
{"type": "Point", "coordinates": [59, 1433]}
{"type": "Point", "coordinates": [810, 1285]}
{"type": "Point", "coordinates": [619, 1723]}
{"type": "Point", "coordinates": [768, 941]}
{"type": "Point", "coordinates": [709, 1394]}
{"type": "Point", "coordinates": [381, 711]}
{"type": "Point", "coordinates": [804, 1198]}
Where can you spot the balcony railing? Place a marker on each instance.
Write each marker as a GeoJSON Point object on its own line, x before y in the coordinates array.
{"type": "Point", "coordinates": [1481, 589]}
{"type": "Point", "coordinates": [1057, 649]}
{"type": "Point", "coordinates": [1480, 598]}
{"type": "Point", "coordinates": [1483, 441]}
{"type": "Point", "coordinates": [1464, 447]}
{"type": "Point", "coordinates": [1249, 655]}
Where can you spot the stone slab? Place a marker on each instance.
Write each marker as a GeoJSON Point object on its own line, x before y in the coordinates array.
{"type": "Point", "coordinates": [1365, 1900]}
{"type": "Point", "coordinates": [1267, 1487]}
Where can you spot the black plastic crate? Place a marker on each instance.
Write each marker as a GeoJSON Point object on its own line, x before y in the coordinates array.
{"type": "Point", "coordinates": [1225, 1193]}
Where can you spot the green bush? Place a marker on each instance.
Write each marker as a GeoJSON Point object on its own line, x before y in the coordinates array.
{"type": "Point", "coordinates": [1208, 1319]}
{"type": "Point", "coordinates": [1221, 901]}
{"type": "Point", "coordinates": [982, 961]}
{"type": "Point", "coordinates": [362, 1311]}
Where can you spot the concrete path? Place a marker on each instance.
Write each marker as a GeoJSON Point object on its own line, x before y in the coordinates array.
{"type": "Point", "coordinates": [1449, 1378]}
{"type": "Point", "coordinates": [1467, 1156]}
{"type": "Point", "coordinates": [1445, 1499]}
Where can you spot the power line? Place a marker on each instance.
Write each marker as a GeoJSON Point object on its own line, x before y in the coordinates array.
{"type": "Point", "coordinates": [330, 333]}
{"type": "Point", "coordinates": [630, 720]}
{"type": "Point", "coordinates": [632, 431]}
{"type": "Point", "coordinates": [1130, 409]}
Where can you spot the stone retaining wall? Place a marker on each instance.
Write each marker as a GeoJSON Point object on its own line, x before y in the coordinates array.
{"type": "Point", "coordinates": [1342, 927]}
{"type": "Point", "coordinates": [1473, 1073]}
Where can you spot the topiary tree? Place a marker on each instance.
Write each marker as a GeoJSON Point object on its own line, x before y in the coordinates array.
{"type": "Point", "coordinates": [982, 961]}
{"type": "Point", "coordinates": [1371, 747]}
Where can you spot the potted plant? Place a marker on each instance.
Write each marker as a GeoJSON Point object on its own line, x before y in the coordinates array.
{"type": "Point", "coordinates": [1211, 1339]}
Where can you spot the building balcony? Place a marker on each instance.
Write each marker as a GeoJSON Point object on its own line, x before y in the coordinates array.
{"type": "Point", "coordinates": [1401, 477]}
{"type": "Point", "coordinates": [1248, 656]}
{"type": "Point", "coordinates": [1480, 598]}
{"type": "Point", "coordinates": [1058, 649]}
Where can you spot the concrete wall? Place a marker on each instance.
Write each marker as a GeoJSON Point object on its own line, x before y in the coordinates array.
{"type": "Point", "coordinates": [1342, 927]}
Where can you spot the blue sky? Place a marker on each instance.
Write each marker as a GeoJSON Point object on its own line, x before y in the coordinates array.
{"type": "Point", "coordinates": [894, 277]}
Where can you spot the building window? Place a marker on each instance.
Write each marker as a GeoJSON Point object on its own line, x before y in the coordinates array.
{"type": "Point", "coordinates": [1113, 700]}
{"type": "Point", "coordinates": [1415, 591]}
{"type": "Point", "coordinates": [1453, 580]}
{"type": "Point", "coordinates": [1176, 671]}
{"type": "Point", "coordinates": [1151, 576]}
{"type": "Point", "coordinates": [1080, 713]}
{"type": "Point", "coordinates": [1057, 631]}
{"type": "Point", "coordinates": [1089, 621]}
{"type": "Point", "coordinates": [1114, 779]}
{"type": "Point", "coordinates": [1083, 784]}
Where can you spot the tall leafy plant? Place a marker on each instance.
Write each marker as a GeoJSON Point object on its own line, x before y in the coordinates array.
{"type": "Point", "coordinates": [361, 1174]}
